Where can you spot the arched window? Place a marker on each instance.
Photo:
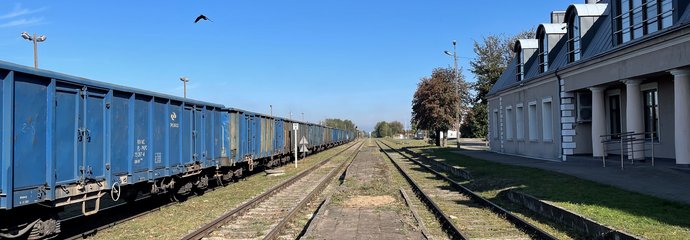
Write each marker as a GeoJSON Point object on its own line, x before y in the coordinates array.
{"type": "Point", "coordinates": [521, 64]}
{"type": "Point", "coordinates": [574, 38]}
{"type": "Point", "coordinates": [636, 18]}
{"type": "Point", "coordinates": [543, 52]}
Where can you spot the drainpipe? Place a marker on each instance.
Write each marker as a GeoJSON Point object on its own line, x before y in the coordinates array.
{"type": "Point", "coordinates": [560, 124]}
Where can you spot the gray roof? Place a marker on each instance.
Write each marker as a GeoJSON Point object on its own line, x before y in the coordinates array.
{"type": "Point", "coordinates": [507, 79]}
{"type": "Point", "coordinates": [588, 10]}
{"type": "Point", "coordinates": [558, 56]}
{"type": "Point", "coordinates": [532, 66]}
{"type": "Point", "coordinates": [598, 40]}
{"type": "Point", "coordinates": [527, 43]}
{"type": "Point", "coordinates": [554, 28]}
{"type": "Point", "coordinates": [685, 17]}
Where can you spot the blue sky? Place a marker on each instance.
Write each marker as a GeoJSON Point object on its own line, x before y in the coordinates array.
{"type": "Point", "coordinates": [358, 60]}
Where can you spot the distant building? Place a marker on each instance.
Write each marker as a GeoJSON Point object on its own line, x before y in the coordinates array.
{"type": "Point", "coordinates": [451, 134]}
{"type": "Point", "coordinates": [607, 68]}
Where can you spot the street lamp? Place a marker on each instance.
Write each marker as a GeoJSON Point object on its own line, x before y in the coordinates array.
{"type": "Point", "coordinates": [35, 40]}
{"type": "Point", "coordinates": [457, 90]}
{"type": "Point", "coordinates": [184, 82]}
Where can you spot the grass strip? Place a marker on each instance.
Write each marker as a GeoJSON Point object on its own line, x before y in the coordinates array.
{"type": "Point", "coordinates": [175, 221]}
{"type": "Point", "coordinates": [642, 215]}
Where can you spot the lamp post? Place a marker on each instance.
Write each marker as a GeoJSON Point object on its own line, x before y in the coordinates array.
{"type": "Point", "coordinates": [184, 82]}
{"type": "Point", "coordinates": [35, 40]}
{"type": "Point", "coordinates": [457, 90]}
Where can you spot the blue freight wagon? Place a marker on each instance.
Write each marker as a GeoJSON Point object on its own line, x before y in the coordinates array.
{"type": "Point", "coordinates": [70, 141]}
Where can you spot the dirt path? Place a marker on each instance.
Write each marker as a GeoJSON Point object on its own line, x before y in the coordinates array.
{"type": "Point", "coordinates": [366, 206]}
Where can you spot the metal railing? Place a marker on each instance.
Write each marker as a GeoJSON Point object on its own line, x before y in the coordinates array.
{"type": "Point", "coordinates": [630, 143]}
{"type": "Point", "coordinates": [663, 10]}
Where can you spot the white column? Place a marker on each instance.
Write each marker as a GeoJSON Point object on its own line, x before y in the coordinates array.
{"type": "Point", "coordinates": [633, 115]}
{"type": "Point", "coordinates": [598, 120]}
{"type": "Point", "coordinates": [681, 100]}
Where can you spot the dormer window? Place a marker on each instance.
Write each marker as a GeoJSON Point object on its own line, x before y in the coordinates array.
{"type": "Point", "coordinates": [574, 38]}
{"type": "Point", "coordinates": [543, 52]}
{"type": "Point", "coordinates": [636, 18]}
{"type": "Point", "coordinates": [523, 49]}
{"type": "Point", "coordinates": [520, 74]}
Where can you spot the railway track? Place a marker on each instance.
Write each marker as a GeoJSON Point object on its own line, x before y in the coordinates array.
{"type": "Point", "coordinates": [266, 215]}
{"type": "Point", "coordinates": [79, 228]}
{"type": "Point", "coordinates": [462, 213]}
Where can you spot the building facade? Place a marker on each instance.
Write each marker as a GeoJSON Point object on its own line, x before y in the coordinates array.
{"type": "Point", "coordinates": [603, 77]}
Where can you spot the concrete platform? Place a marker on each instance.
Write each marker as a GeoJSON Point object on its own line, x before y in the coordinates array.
{"type": "Point", "coordinates": [367, 178]}
{"type": "Point", "coordinates": [664, 180]}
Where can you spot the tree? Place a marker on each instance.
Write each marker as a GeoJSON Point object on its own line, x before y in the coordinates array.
{"type": "Point", "coordinates": [396, 127]}
{"type": "Point", "coordinates": [382, 129]}
{"type": "Point", "coordinates": [340, 124]}
{"type": "Point", "coordinates": [493, 55]}
{"type": "Point", "coordinates": [434, 103]}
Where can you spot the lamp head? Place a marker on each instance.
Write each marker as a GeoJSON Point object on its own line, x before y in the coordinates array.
{"type": "Point", "coordinates": [454, 42]}
{"type": "Point", "coordinates": [26, 36]}
{"type": "Point", "coordinates": [41, 38]}
{"type": "Point", "coordinates": [448, 53]}
{"type": "Point", "coordinates": [184, 79]}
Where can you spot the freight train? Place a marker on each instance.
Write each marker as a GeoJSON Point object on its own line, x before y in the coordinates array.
{"type": "Point", "coordinates": [70, 141]}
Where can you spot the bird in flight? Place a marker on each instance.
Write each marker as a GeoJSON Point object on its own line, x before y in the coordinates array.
{"type": "Point", "coordinates": [201, 17]}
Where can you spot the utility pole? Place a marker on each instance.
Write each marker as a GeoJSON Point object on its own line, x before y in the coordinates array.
{"type": "Point", "coordinates": [273, 125]}
{"type": "Point", "coordinates": [35, 40]}
{"type": "Point", "coordinates": [457, 90]}
{"type": "Point", "coordinates": [184, 82]}
{"type": "Point", "coordinates": [295, 138]}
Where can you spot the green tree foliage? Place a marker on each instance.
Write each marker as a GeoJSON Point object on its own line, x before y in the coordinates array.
{"type": "Point", "coordinates": [434, 102]}
{"type": "Point", "coordinates": [340, 124]}
{"type": "Point", "coordinates": [475, 124]}
{"type": "Point", "coordinates": [493, 54]}
{"type": "Point", "coordinates": [488, 65]}
{"type": "Point", "coordinates": [397, 127]}
{"type": "Point", "coordinates": [382, 129]}
{"type": "Point", "coordinates": [388, 129]}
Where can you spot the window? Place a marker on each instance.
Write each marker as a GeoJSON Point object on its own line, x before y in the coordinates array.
{"type": "Point", "coordinates": [584, 107]}
{"type": "Point", "coordinates": [574, 38]}
{"type": "Point", "coordinates": [520, 65]}
{"type": "Point", "coordinates": [509, 123]}
{"type": "Point", "coordinates": [543, 53]}
{"type": "Point", "coordinates": [547, 120]}
{"type": "Point", "coordinates": [615, 115]}
{"type": "Point", "coordinates": [520, 122]}
{"type": "Point", "coordinates": [532, 119]}
{"type": "Point", "coordinates": [637, 18]}
{"type": "Point", "coordinates": [651, 114]}
{"type": "Point", "coordinates": [495, 124]}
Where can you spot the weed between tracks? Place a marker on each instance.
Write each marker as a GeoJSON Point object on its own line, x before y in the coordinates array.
{"type": "Point", "coordinates": [366, 204]}
{"type": "Point", "coordinates": [473, 220]}
{"type": "Point", "coordinates": [297, 225]}
{"type": "Point", "coordinates": [635, 213]}
{"type": "Point", "coordinates": [177, 220]}
{"type": "Point", "coordinates": [367, 178]}
{"type": "Point", "coordinates": [427, 217]}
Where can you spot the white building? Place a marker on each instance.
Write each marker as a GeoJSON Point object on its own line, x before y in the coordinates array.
{"type": "Point", "coordinates": [606, 68]}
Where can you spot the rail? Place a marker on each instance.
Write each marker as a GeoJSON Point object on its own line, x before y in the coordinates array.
{"type": "Point", "coordinates": [215, 224]}
{"type": "Point", "coordinates": [273, 234]}
{"type": "Point", "coordinates": [445, 221]}
{"type": "Point", "coordinates": [521, 224]}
